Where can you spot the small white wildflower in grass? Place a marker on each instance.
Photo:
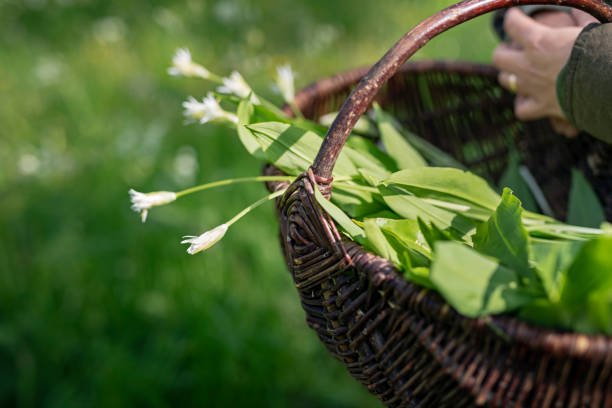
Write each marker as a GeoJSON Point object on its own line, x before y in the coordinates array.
{"type": "Point", "coordinates": [285, 79]}
{"type": "Point", "coordinates": [236, 85]}
{"type": "Point", "coordinates": [182, 65]}
{"type": "Point", "coordinates": [206, 240]}
{"type": "Point", "coordinates": [142, 202]}
{"type": "Point", "coordinates": [206, 111]}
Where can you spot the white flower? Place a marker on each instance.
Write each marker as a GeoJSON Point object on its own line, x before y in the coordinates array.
{"type": "Point", "coordinates": [236, 85]}
{"type": "Point", "coordinates": [142, 202]}
{"type": "Point", "coordinates": [206, 111]}
{"type": "Point", "coordinates": [206, 240]}
{"type": "Point", "coordinates": [285, 82]}
{"type": "Point", "coordinates": [182, 65]}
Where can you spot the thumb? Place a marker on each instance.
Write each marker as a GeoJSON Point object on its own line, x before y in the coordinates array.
{"type": "Point", "coordinates": [582, 18]}
{"type": "Point", "coordinates": [521, 28]}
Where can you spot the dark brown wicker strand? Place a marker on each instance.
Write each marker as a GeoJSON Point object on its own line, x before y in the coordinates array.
{"type": "Point", "coordinates": [402, 342]}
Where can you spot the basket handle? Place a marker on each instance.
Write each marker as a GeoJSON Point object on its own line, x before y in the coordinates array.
{"type": "Point", "coordinates": [361, 97]}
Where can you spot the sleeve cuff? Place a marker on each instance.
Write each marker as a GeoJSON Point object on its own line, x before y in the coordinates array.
{"type": "Point", "coordinates": [584, 85]}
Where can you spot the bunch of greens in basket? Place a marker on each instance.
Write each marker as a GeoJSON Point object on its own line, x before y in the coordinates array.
{"type": "Point", "coordinates": [443, 227]}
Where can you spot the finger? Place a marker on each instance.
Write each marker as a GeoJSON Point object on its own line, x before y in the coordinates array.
{"type": "Point", "coordinates": [554, 18]}
{"type": "Point", "coordinates": [521, 28]}
{"type": "Point", "coordinates": [507, 58]}
{"type": "Point", "coordinates": [563, 127]}
{"type": "Point", "coordinates": [509, 81]}
{"type": "Point", "coordinates": [526, 108]}
{"type": "Point", "coordinates": [582, 18]}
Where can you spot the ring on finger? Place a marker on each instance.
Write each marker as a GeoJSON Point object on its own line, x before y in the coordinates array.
{"type": "Point", "coordinates": [512, 82]}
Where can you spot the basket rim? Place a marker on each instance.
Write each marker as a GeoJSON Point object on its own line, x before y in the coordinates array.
{"type": "Point", "coordinates": [556, 342]}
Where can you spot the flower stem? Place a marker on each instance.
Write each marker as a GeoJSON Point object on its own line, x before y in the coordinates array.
{"type": "Point", "coordinates": [296, 111]}
{"type": "Point", "coordinates": [232, 181]}
{"type": "Point", "coordinates": [214, 78]}
{"type": "Point", "coordinates": [255, 205]}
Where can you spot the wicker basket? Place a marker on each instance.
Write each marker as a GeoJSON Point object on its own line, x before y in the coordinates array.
{"type": "Point", "coordinates": [404, 343]}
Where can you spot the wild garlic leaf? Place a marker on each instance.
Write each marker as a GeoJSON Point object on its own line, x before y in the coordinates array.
{"type": "Point", "coordinates": [363, 127]}
{"type": "Point", "coordinates": [249, 141]}
{"type": "Point", "coordinates": [446, 184]}
{"type": "Point", "coordinates": [356, 203]}
{"type": "Point", "coordinates": [504, 237]}
{"type": "Point", "coordinates": [512, 179]}
{"type": "Point", "coordinates": [370, 178]}
{"type": "Point", "coordinates": [474, 284]}
{"type": "Point", "coordinates": [353, 230]}
{"type": "Point", "coordinates": [378, 243]}
{"type": "Point", "coordinates": [293, 149]}
{"type": "Point", "coordinates": [404, 155]}
{"type": "Point", "coordinates": [543, 312]}
{"type": "Point", "coordinates": [590, 271]}
{"type": "Point", "coordinates": [411, 208]}
{"type": "Point", "coordinates": [562, 231]}
{"type": "Point", "coordinates": [431, 153]}
{"type": "Point", "coordinates": [370, 156]}
{"type": "Point", "coordinates": [397, 240]}
{"type": "Point", "coordinates": [551, 260]}
{"type": "Point", "coordinates": [432, 234]}
{"type": "Point", "coordinates": [584, 208]}
{"type": "Point", "coordinates": [588, 287]}
{"type": "Point", "coordinates": [419, 275]}
{"type": "Point", "coordinates": [599, 310]}
{"type": "Point", "coordinates": [407, 234]}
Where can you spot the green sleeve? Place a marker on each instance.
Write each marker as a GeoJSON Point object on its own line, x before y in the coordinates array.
{"type": "Point", "coordinates": [584, 85]}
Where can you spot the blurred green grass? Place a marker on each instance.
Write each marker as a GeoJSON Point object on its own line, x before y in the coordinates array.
{"type": "Point", "coordinates": [96, 308]}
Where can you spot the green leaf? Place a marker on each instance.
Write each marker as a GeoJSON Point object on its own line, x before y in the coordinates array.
{"type": "Point", "coordinates": [249, 141]}
{"type": "Point", "coordinates": [599, 309]}
{"type": "Point", "coordinates": [363, 126]}
{"type": "Point", "coordinates": [512, 179]}
{"type": "Point", "coordinates": [370, 178]}
{"type": "Point", "coordinates": [587, 291]}
{"type": "Point", "coordinates": [293, 149]}
{"type": "Point", "coordinates": [504, 237]}
{"type": "Point", "coordinates": [370, 155]}
{"type": "Point", "coordinates": [406, 233]}
{"type": "Point", "coordinates": [590, 271]}
{"type": "Point", "coordinates": [433, 234]}
{"type": "Point", "coordinates": [584, 208]}
{"type": "Point", "coordinates": [399, 241]}
{"type": "Point", "coordinates": [474, 284]}
{"type": "Point", "coordinates": [563, 232]}
{"type": "Point", "coordinates": [378, 243]}
{"type": "Point", "coordinates": [430, 152]}
{"type": "Point", "coordinates": [543, 312]}
{"type": "Point", "coordinates": [356, 203]}
{"type": "Point", "coordinates": [551, 260]}
{"type": "Point", "coordinates": [405, 156]}
{"type": "Point", "coordinates": [446, 184]}
{"type": "Point", "coordinates": [420, 276]}
{"type": "Point", "coordinates": [269, 112]}
{"type": "Point", "coordinates": [343, 220]}
{"type": "Point", "coordinates": [411, 207]}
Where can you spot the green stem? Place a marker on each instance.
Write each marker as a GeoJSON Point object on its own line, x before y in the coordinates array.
{"type": "Point", "coordinates": [296, 111]}
{"type": "Point", "coordinates": [564, 228]}
{"type": "Point", "coordinates": [232, 181]}
{"type": "Point", "coordinates": [356, 187]}
{"type": "Point", "coordinates": [255, 205]}
{"type": "Point", "coordinates": [215, 78]}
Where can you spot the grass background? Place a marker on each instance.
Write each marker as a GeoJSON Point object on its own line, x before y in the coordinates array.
{"type": "Point", "coordinates": [97, 309]}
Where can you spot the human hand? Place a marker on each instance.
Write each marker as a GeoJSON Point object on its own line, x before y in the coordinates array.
{"type": "Point", "coordinates": [554, 18]}
{"type": "Point", "coordinates": [582, 18]}
{"type": "Point", "coordinates": [530, 65]}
